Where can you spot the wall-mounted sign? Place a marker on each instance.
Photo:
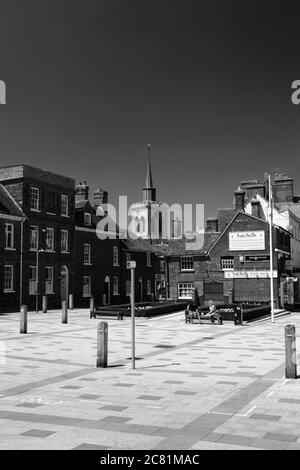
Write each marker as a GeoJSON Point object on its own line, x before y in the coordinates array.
{"type": "Point", "coordinates": [249, 274]}
{"type": "Point", "coordinates": [257, 258]}
{"type": "Point", "coordinates": [246, 241]}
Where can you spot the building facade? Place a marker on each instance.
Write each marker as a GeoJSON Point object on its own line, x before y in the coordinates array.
{"type": "Point", "coordinates": [12, 221]}
{"type": "Point", "coordinates": [47, 201]}
{"type": "Point", "coordinates": [234, 264]}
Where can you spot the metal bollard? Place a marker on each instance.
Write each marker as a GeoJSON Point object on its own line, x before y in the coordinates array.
{"type": "Point", "coordinates": [71, 302]}
{"type": "Point", "coordinates": [92, 305]}
{"type": "Point", "coordinates": [45, 304]}
{"type": "Point", "coordinates": [102, 344]}
{"type": "Point", "coordinates": [64, 312]}
{"type": "Point", "coordinates": [23, 319]}
{"type": "Point", "coordinates": [290, 352]}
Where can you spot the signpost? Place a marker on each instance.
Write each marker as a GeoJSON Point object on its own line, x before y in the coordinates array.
{"type": "Point", "coordinates": [132, 265]}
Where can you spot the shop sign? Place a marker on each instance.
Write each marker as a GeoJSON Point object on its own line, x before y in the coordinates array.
{"type": "Point", "coordinates": [249, 274]}
{"type": "Point", "coordinates": [247, 241]}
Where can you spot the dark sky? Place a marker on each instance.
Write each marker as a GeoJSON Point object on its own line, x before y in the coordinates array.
{"type": "Point", "coordinates": [208, 83]}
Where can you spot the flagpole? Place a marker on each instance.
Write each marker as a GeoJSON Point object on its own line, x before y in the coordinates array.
{"type": "Point", "coordinates": [271, 248]}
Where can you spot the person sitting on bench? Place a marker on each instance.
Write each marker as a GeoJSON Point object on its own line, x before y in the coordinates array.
{"type": "Point", "coordinates": [190, 311]}
{"type": "Point", "coordinates": [213, 313]}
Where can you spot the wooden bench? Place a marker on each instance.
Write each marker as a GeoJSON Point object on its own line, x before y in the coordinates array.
{"type": "Point", "coordinates": [106, 313]}
{"type": "Point", "coordinates": [202, 317]}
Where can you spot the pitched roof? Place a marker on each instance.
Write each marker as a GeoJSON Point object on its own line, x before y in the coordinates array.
{"type": "Point", "coordinates": [8, 205]}
{"type": "Point", "coordinates": [139, 245]}
{"type": "Point", "coordinates": [182, 247]}
{"type": "Point", "coordinates": [224, 217]}
{"type": "Point", "coordinates": [247, 215]}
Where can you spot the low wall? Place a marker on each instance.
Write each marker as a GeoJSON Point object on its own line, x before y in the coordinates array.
{"type": "Point", "coordinates": [156, 309]}
{"type": "Point", "coordinates": [249, 313]}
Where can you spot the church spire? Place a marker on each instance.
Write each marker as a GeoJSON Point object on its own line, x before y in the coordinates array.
{"type": "Point", "coordinates": [149, 191]}
{"type": "Point", "coordinates": [149, 181]}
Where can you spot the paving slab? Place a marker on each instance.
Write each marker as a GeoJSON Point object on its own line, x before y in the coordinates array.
{"type": "Point", "coordinates": [193, 388]}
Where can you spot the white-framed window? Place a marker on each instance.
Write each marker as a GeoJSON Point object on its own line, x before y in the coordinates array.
{"type": "Point", "coordinates": [49, 280]}
{"type": "Point", "coordinates": [227, 263]}
{"type": "Point", "coordinates": [64, 241]}
{"type": "Point", "coordinates": [32, 280]}
{"type": "Point", "coordinates": [64, 205]}
{"type": "Point", "coordinates": [8, 278]}
{"type": "Point", "coordinates": [87, 218]}
{"type": "Point", "coordinates": [162, 266]}
{"type": "Point", "coordinates": [34, 237]}
{"type": "Point", "coordinates": [149, 287]}
{"type": "Point", "coordinates": [34, 199]}
{"type": "Point", "coordinates": [49, 239]}
{"type": "Point", "coordinates": [128, 288]}
{"type": "Point", "coordinates": [185, 290]}
{"type": "Point", "coordinates": [149, 259]}
{"type": "Point", "coordinates": [116, 256]}
{"type": "Point", "coordinates": [186, 263]}
{"type": "Point", "coordinates": [87, 286]}
{"type": "Point", "coordinates": [9, 236]}
{"type": "Point", "coordinates": [87, 253]}
{"type": "Point", "coordinates": [116, 285]}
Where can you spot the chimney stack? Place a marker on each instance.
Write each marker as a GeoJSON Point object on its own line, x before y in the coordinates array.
{"type": "Point", "coordinates": [283, 188]}
{"type": "Point", "coordinates": [212, 225]}
{"type": "Point", "coordinates": [255, 205]}
{"type": "Point", "coordinates": [253, 187]}
{"type": "Point", "coordinates": [239, 199]}
{"type": "Point", "coordinates": [100, 197]}
{"type": "Point", "coordinates": [82, 192]}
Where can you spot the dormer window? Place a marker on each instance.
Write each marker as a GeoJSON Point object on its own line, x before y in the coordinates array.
{"type": "Point", "coordinates": [87, 218]}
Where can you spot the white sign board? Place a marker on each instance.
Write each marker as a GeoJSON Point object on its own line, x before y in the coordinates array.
{"type": "Point", "coordinates": [131, 264]}
{"type": "Point", "coordinates": [247, 241]}
{"type": "Point", "coordinates": [249, 274]}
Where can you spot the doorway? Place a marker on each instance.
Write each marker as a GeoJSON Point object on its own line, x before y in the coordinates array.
{"type": "Point", "coordinates": [140, 290]}
{"type": "Point", "coordinates": [107, 290]}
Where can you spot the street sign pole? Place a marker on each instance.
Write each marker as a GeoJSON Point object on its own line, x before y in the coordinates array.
{"type": "Point", "coordinates": [132, 265]}
{"type": "Point", "coordinates": [132, 320]}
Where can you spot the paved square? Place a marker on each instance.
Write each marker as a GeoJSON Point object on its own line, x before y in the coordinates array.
{"type": "Point", "coordinates": [194, 387]}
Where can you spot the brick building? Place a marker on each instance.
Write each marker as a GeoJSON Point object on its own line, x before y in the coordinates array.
{"type": "Point", "coordinates": [12, 220]}
{"type": "Point", "coordinates": [97, 262]}
{"type": "Point", "coordinates": [100, 264]}
{"type": "Point", "coordinates": [55, 249]}
{"type": "Point", "coordinates": [47, 201]}
{"type": "Point", "coordinates": [234, 263]}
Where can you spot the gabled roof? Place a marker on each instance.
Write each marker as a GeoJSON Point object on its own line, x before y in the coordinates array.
{"type": "Point", "coordinates": [247, 215]}
{"type": "Point", "coordinates": [8, 205]}
{"type": "Point", "coordinates": [224, 216]}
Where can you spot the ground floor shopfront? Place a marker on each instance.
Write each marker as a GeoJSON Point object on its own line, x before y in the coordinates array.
{"type": "Point", "coordinates": [246, 289]}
